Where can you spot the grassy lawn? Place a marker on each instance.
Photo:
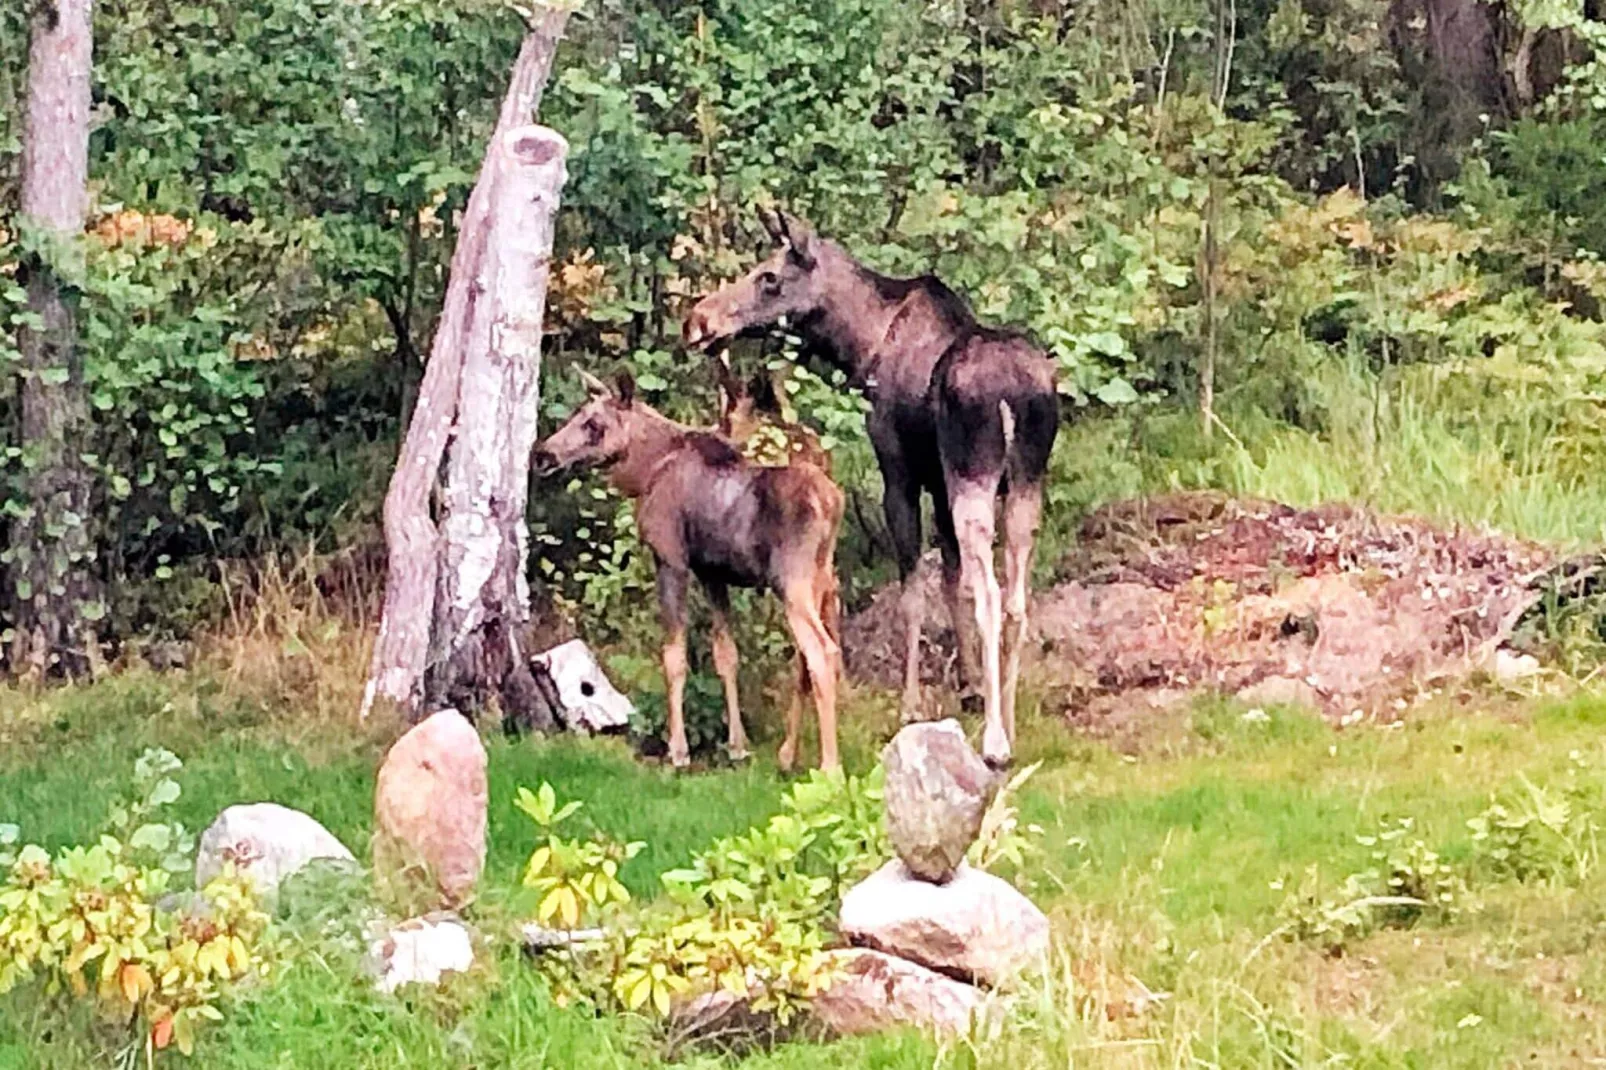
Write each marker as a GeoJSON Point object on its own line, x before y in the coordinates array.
{"type": "Point", "coordinates": [1167, 861]}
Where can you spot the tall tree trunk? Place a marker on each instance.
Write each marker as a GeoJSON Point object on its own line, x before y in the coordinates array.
{"type": "Point", "coordinates": [53, 591]}
{"type": "Point", "coordinates": [403, 647]}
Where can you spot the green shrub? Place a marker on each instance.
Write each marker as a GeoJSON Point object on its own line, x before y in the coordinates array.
{"type": "Point", "coordinates": [748, 916]}
{"type": "Point", "coordinates": [1536, 834]}
{"type": "Point", "coordinates": [1406, 884]}
{"type": "Point", "coordinates": [90, 923]}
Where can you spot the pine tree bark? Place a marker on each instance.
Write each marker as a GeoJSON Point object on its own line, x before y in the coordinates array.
{"type": "Point", "coordinates": [470, 326]}
{"type": "Point", "coordinates": [53, 591]}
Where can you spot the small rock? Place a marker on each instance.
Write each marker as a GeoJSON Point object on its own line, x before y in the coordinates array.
{"type": "Point", "coordinates": [976, 927]}
{"type": "Point", "coordinates": [727, 1022]}
{"type": "Point", "coordinates": [873, 992]}
{"type": "Point", "coordinates": [937, 791]}
{"type": "Point", "coordinates": [420, 951]}
{"type": "Point", "coordinates": [429, 809]}
{"type": "Point", "coordinates": [1511, 667]}
{"type": "Point", "coordinates": [266, 842]}
{"type": "Point", "coordinates": [586, 700]}
{"type": "Point", "coordinates": [1281, 691]}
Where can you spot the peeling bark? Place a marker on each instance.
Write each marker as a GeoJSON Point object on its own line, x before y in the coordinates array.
{"type": "Point", "coordinates": [482, 596]}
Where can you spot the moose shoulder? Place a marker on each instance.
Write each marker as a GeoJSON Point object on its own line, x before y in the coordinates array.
{"type": "Point", "coordinates": [962, 412]}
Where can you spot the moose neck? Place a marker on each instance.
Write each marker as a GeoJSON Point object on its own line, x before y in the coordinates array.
{"type": "Point", "coordinates": [652, 438]}
{"type": "Point", "coordinates": [852, 321]}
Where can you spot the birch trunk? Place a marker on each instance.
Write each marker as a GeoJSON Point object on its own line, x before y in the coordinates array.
{"type": "Point", "coordinates": [482, 597]}
{"type": "Point", "coordinates": [53, 589]}
{"type": "Point", "coordinates": [403, 646]}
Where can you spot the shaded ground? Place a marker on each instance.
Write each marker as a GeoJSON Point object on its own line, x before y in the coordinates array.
{"type": "Point", "coordinates": [1334, 607]}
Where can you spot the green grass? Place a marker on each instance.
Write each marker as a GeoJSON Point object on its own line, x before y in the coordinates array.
{"type": "Point", "coordinates": [1517, 458]}
{"type": "Point", "coordinates": [1160, 864]}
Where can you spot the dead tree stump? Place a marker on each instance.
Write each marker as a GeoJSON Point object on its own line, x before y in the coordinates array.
{"type": "Point", "coordinates": [456, 600]}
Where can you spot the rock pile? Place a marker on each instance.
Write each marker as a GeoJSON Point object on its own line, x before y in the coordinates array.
{"type": "Point", "coordinates": [931, 931]}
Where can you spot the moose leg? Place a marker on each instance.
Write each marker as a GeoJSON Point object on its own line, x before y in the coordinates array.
{"type": "Point", "coordinates": [970, 700]}
{"type": "Point", "coordinates": [1023, 506]}
{"type": "Point", "coordinates": [672, 606]}
{"type": "Point", "coordinates": [974, 504]}
{"type": "Point", "coordinates": [787, 758]}
{"type": "Point", "coordinates": [831, 613]}
{"type": "Point", "coordinates": [726, 661]}
{"type": "Point", "coordinates": [819, 653]}
{"type": "Point", "coordinates": [902, 505]}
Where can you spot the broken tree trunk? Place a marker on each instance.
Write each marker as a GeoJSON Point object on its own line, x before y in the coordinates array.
{"type": "Point", "coordinates": [470, 319]}
{"type": "Point", "coordinates": [482, 597]}
{"type": "Point", "coordinates": [54, 591]}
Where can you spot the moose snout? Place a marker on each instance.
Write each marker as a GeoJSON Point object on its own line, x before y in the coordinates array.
{"type": "Point", "coordinates": [543, 462]}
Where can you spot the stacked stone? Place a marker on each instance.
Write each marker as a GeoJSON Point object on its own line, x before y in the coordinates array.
{"type": "Point", "coordinates": [931, 933]}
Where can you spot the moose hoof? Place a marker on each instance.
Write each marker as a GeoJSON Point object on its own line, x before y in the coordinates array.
{"type": "Point", "coordinates": [738, 755]}
{"type": "Point", "coordinates": [787, 758]}
{"type": "Point", "coordinates": [679, 757]}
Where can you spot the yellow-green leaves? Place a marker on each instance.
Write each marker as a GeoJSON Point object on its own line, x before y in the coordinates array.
{"type": "Point", "coordinates": [87, 920]}
{"type": "Point", "coordinates": [574, 877]}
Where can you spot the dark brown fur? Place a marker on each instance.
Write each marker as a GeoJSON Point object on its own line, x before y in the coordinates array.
{"type": "Point", "coordinates": [710, 513]}
{"type": "Point", "coordinates": [959, 411]}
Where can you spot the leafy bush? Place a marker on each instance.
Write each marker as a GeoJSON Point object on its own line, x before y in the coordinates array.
{"type": "Point", "coordinates": [92, 921]}
{"type": "Point", "coordinates": [1535, 834]}
{"type": "Point", "coordinates": [828, 836]}
{"type": "Point", "coordinates": [748, 916]}
{"type": "Point", "coordinates": [1407, 884]}
{"type": "Point", "coordinates": [574, 878]}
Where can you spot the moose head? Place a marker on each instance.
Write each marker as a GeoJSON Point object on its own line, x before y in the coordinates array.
{"type": "Point", "coordinates": [790, 283]}
{"type": "Point", "coordinates": [597, 435]}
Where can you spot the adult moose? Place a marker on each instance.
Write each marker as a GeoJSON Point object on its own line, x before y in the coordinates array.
{"type": "Point", "coordinates": [959, 411]}
{"type": "Point", "coordinates": [707, 512]}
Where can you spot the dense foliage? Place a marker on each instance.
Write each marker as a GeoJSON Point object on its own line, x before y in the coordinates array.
{"type": "Point", "coordinates": [1322, 201]}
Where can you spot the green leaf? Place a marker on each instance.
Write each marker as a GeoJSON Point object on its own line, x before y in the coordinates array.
{"type": "Point", "coordinates": [1116, 392]}
{"type": "Point", "coordinates": [166, 791]}
{"type": "Point", "coordinates": [151, 837]}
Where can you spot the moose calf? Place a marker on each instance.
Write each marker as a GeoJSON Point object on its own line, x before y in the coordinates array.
{"type": "Point", "coordinates": [707, 512]}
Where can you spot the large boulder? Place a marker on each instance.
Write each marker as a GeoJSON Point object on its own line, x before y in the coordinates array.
{"type": "Point", "coordinates": [936, 793]}
{"type": "Point", "coordinates": [872, 992]}
{"type": "Point", "coordinates": [976, 927]}
{"type": "Point", "coordinates": [266, 843]}
{"type": "Point", "coordinates": [429, 811]}
{"type": "Point", "coordinates": [420, 951]}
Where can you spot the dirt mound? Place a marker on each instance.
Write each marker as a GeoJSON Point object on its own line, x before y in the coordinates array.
{"type": "Point", "coordinates": [1334, 606]}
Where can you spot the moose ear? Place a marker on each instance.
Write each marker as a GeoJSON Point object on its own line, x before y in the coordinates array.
{"type": "Point", "coordinates": [625, 388]}
{"type": "Point", "coordinates": [772, 224]}
{"type": "Point", "coordinates": [799, 239]}
{"type": "Point", "coordinates": [594, 386]}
